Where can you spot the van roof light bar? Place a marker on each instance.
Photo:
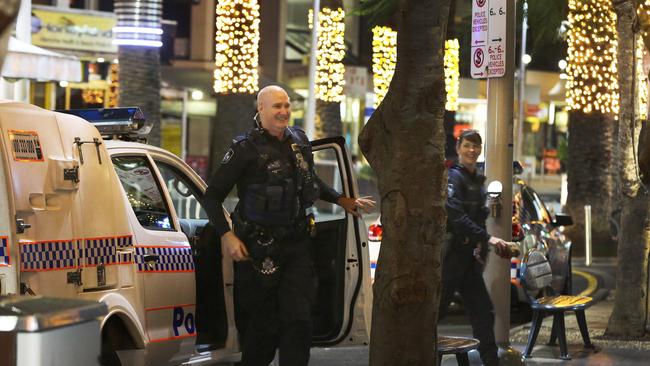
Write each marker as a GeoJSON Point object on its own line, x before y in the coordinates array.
{"type": "Point", "coordinates": [119, 122]}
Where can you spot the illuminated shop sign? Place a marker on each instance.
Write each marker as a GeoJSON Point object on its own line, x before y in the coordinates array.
{"type": "Point", "coordinates": [74, 31]}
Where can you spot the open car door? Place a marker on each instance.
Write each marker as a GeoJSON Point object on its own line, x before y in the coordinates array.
{"type": "Point", "coordinates": [342, 310]}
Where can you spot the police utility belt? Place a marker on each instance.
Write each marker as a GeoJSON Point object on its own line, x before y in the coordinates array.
{"type": "Point", "coordinates": [263, 242]}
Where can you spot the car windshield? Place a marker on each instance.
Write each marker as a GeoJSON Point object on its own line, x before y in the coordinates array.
{"type": "Point", "coordinates": [534, 208]}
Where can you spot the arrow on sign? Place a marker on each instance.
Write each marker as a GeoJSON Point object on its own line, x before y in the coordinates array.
{"type": "Point", "coordinates": [497, 39]}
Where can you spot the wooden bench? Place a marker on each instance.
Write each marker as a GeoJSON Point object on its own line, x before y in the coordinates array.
{"type": "Point", "coordinates": [536, 275]}
{"type": "Point", "coordinates": [459, 346]}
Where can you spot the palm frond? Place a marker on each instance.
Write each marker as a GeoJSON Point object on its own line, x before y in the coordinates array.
{"type": "Point", "coordinates": [378, 11]}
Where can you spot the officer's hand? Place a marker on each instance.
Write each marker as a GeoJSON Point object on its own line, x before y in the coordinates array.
{"type": "Point", "coordinates": [353, 205]}
{"type": "Point", "coordinates": [234, 246]}
{"type": "Point", "coordinates": [500, 246]}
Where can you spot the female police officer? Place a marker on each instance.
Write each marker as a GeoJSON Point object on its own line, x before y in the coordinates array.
{"type": "Point", "coordinates": [466, 244]}
{"type": "Point", "coordinates": [272, 166]}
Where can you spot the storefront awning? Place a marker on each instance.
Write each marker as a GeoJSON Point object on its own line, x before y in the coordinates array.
{"type": "Point", "coordinates": [26, 61]}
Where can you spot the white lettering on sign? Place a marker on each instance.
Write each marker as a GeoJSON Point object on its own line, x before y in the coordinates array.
{"type": "Point", "coordinates": [479, 38]}
{"type": "Point", "coordinates": [488, 38]}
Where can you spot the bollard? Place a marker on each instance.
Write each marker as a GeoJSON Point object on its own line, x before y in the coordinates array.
{"type": "Point", "coordinates": [588, 235]}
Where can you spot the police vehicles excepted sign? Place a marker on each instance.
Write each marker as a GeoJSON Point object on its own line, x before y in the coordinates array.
{"type": "Point", "coordinates": [488, 38]}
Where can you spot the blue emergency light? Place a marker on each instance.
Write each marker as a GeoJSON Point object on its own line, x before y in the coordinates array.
{"type": "Point", "coordinates": [122, 121]}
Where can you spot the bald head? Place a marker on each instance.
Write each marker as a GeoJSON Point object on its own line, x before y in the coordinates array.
{"type": "Point", "coordinates": [274, 109]}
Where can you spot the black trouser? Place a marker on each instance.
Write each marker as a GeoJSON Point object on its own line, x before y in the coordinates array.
{"type": "Point", "coordinates": [279, 316]}
{"type": "Point", "coordinates": [462, 273]}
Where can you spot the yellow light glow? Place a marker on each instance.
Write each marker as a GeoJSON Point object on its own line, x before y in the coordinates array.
{"type": "Point", "coordinates": [641, 81]}
{"type": "Point", "coordinates": [452, 73]}
{"type": "Point", "coordinates": [384, 59]}
{"type": "Point", "coordinates": [592, 84]}
{"type": "Point", "coordinates": [237, 40]}
{"type": "Point", "coordinates": [112, 99]}
{"type": "Point", "coordinates": [329, 54]}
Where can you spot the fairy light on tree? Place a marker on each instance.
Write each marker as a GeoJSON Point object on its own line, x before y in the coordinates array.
{"type": "Point", "coordinates": [452, 73]}
{"type": "Point", "coordinates": [237, 40]}
{"type": "Point", "coordinates": [641, 81]}
{"type": "Point", "coordinates": [592, 84]}
{"type": "Point", "coordinates": [384, 59]}
{"type": "Point", "coordinates": [330, 53]}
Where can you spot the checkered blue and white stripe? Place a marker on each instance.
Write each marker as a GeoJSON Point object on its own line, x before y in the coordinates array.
{"type": "Point", "coordinates": [174, 259]}
{"type": "Point", "coordinates": [4, 251]}
{"type": "Point", "coordinates": [43, 256]}
{"type": "Point", "coordinates": [104, 250]}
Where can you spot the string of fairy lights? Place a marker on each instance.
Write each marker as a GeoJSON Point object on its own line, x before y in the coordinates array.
{"type": "Point", "coordinates": [452, 73]}
{"type": "Point", "coordinates": [384, 59]}
{"type": "Point", "coordinates": [592, 72]}
{"type": "Point", "coordinates": [236, 51]}
{"type": "Point", "coordinates": [330, 71]}
{"type": "Point", "coordinates": [641, 81]}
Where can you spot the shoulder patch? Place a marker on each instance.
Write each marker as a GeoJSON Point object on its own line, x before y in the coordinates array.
{"type": "Point", "coordinates": [229, 154]}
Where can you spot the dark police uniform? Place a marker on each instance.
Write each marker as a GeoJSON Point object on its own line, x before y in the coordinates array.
{"type": "Point", "coordinates": [462, 272]}
{"type": "Point", "coordinates": [276, 184]}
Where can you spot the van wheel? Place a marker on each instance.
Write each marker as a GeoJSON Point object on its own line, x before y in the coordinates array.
{"type": "Point", "coordinates": [115, 337]}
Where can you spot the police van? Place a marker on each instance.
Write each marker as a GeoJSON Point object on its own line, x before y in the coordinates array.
{"type": "Point", "coordinates": [87, 215]}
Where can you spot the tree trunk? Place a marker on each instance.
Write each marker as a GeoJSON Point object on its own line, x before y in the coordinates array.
{"type": "Point", "coordinates": [140, 84]}
{"type": "Point", "coordinates": [328, 114]}
{"type": "Point", "coordinates": [235, 114]}
{"type": "Point", "coordinates": [590, 179]}
{"type": "Point", "coordinates": [404, 143]}
{"type": "Point", "coordinates": [629, 316]}
{"type": "Point", "coordinates": [328, 119]}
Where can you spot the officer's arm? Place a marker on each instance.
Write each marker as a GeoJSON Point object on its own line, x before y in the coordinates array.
{"type": "Point", "coordinates": [223, 180]}
{"type": "Point", "coordinates": [457, 217]}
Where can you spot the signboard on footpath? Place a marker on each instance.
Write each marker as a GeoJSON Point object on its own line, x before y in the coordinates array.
{"type": "Point", "coordinates": [488, 39]}
{"type": "Point", "coordinates": [72, 30]}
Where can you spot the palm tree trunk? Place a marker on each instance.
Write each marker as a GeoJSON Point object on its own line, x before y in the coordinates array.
{"type": "Point", "coordinates": [591, 178]}
{"type": "Point", "coordinates": [630, 312]}
{"type": "Point", "coordinates": [140, 84]}
{"type": "Point", "coordinates": [234, 117]}
{"type": "Point", "coordinates": [328, 119]}
{"type": "Point", "coordinates": [404, 143]}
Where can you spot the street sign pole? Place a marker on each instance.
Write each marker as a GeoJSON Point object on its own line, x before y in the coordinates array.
{"type": "Point", "coordinates": [498, 161]}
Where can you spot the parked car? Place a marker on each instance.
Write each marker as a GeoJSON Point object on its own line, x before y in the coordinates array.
{"type": "Point", "coordinates": [533, 227]}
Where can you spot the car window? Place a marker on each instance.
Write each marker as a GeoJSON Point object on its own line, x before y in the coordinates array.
{"type": "Point", "coordinates": [328, 170]}
{"type": "Point", "coordinates": [184, 194]}
{"type": "Point", "coordinates": [533, 207]}
{"type": "Point", "coordinates": [143, 192]}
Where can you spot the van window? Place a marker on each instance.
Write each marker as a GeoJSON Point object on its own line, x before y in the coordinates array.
{"type": "Point", "coordinates": [143, 192]}
{"type": "Point", "coordinates": [183, 192]}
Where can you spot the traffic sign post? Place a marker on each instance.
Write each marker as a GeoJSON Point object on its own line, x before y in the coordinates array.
{"type": "Point", "coordinates": [500, 64]}
{"type": "Point", "coordinates": [489, 37]}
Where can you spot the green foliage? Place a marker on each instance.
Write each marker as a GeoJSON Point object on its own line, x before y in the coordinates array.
{"type": "Point", "coordinates": [379, 12]}
{"type": "Point", "coordinates": [545, 18]}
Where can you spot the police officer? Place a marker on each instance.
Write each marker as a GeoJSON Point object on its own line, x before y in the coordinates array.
{"type": "Point", "coordinates": [466, 244]}
{"type": "Point", "coordinates": [273, 168]}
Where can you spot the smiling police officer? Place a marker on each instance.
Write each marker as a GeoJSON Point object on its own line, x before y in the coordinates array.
{"type": "Point", "coordinates": [273, 168]}
{"type": "Point", "coordinates": [466, 245]}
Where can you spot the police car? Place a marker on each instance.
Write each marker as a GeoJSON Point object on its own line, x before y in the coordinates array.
{"type": "Point", "coordinates": [120, 222]}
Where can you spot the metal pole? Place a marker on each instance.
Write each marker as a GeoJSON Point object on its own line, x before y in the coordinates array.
{"type": "Point", "coordinates": [521, 117]}
{"type": "Point", "coordinates": [498, 164]}
{"type": "Point", "coordinates": [311, 99]}
{"type": "Point", "coordinates": [184, 125]}
{"type": "Point", "coordinates": [588, 235]}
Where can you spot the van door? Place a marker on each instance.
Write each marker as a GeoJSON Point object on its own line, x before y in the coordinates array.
{"type": "Point", "coordinates": [163, 258]}
{"type": "Point", "coordinates": [342, 311]}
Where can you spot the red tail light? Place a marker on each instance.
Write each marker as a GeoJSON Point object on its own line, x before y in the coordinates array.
{"type": "Point", "coordinates": [374, 232]}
